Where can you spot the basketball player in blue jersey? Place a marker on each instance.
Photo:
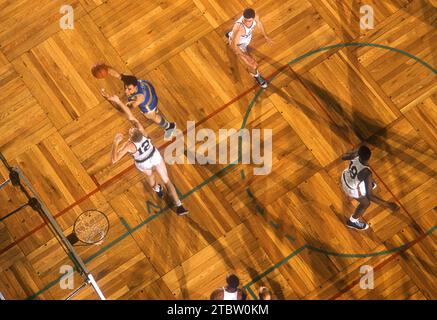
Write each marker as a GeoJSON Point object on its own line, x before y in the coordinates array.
{"type": "Point", "coordinates": [141, 94]}
{"type": "Point", "coordinates": [240, 37]}
{"type": "Point", "coordinates": [357, 183]}
{"type": "Point", "coordinates": [145, 155]}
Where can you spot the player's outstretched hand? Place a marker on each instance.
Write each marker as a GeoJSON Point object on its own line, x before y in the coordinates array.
{"type": "Point", "coordinates": [269, 40]}
{"type": "Point", "coordinates": [115, 99]}
{"type": "Point", "coordinates": [104, 94]}
{"type": "Point", "coordinates": [118, 137]}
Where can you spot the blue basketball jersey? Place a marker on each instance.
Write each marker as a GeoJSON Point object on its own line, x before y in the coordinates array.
{"type": "Point", "coordinates": [150, 98]}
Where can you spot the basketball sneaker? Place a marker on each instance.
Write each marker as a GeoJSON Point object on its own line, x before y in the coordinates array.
{"type": "Point", "coordinates": [359, 225]}
{"type": "Point", "coordinates": [180, 210]}
{"type": "Point", "coordinates": [169, 131]}
{"type": "Point", "coordinates": [227, 34]}
{"type": "Point", "coordinates": [261, 81]}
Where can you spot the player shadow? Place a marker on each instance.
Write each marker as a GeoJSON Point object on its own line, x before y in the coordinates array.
{"type": "Point", "coordinates": [379, 135]}
{"type": "Point", "coordinates": [362, 125]}
{"type": "Point", "coordinates": [234, 64]}
{"type": "Point", "coordinates": [273, 285]}
{"type": "Point", "coordinates": [220, 249]}
{"type": "Point", "coordinates": [185, 293]}
{"type": "Point", "coordinates": [316, 261]}
{"type": "Point", "coordinates": [281, 68]}
{"type": "Point", "coordinates": [211, 240]}
{"type": "Point", "coordinates": [338, 129]}
{"type": "Point", "coordinates": [370, 131]}
{"type": "Point", "coordinates": [167, 219]}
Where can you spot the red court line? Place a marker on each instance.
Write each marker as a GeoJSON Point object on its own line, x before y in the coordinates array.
{"type": "Point", "coordinates": [120, 174]}
{"type": "Point", "coordinates": [379, 266]}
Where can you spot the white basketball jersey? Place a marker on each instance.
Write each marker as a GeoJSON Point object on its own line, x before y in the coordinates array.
{"type": "Point", "coordinates": [230, 295]}
{"type": "Point", "coordinates": [144, 149]}
{"type": "Point", "coordinates": [350, 175]}
{"type": "Point", "coordinates": [245, 39]}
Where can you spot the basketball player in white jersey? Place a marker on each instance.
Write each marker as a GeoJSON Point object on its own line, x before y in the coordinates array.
{"type": "Point", "coordinates": [357, 183]}
{"type": "Point", "coordinates": [145, 155]}
{"type": "Point", "coordinates": [240, 37]}
{"type": "Point", "coordinates": [230, 291]}
{"type": "Point", "coordinates": [265, 294]}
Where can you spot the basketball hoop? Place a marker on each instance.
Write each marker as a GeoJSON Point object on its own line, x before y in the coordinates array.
{"type": "Point", "coordinates": [91, 227]}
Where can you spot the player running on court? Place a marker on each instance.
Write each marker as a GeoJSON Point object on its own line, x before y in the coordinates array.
{"type": "Point", "coordinates": [146, 156]}
{"type": "Point", "coordinates": [239, 40]}
{"type": "Point", "coordinates": [141, 94]}
{"type": "Point", "coordinates": [357, 183]}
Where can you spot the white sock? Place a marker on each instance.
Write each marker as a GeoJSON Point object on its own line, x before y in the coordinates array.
{"type": "Point", "coordinates": [257, 74]}
{"type": "Point", "coordinates": [353, 220]}
{"type": "Point", "coordinates": [156, 188]}
{"type": "Point", "coordinates": [178, 203]}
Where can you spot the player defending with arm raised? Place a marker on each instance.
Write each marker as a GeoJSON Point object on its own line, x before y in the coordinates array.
{"type": "Point", "coordinates": [240, 37]}
{"type": "Point", "coordinates": [357, 183]}
{"type": "Point", "coordinates": [144, 153]}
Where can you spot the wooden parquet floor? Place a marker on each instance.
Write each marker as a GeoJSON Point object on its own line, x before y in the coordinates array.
{"type": "Point", "coordinates": [285, 230]}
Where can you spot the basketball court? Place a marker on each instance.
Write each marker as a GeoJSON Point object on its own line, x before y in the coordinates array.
{"type": "Point", "coordinates": [332, 86]}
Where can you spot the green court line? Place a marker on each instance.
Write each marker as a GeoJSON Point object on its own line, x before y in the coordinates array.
{"type": "Point", "coordinates": [249, 193]}
{"type": "Point", "coordinates": [259, 209]}
{"type": "Point", "coordinates": [132, 230]}
{"type": "Point", "coordinates": [330, 253]}
{"type": "Point", "coordinates": [178, 192]}
{"type": "Point", "coordinates": [290, 237]}
{"type": "Point", "coordinates": [431, 230]}
{"type": "Point", "coordinates": [274, 224]}
{"type": "Point", "coordinates": [357, 255]}
{"type": "Point", "coordinates": [51, 284]}
{"type": "Point", "coordinates": [275, 266]}
{"type": "Point", "coordinates": [124, 222]}
{"type": "Point", "coordinates": [246, 116]}
{"type": "Point", "coordinates": [254, 297]}
{"type": "Point", "coordinates": [151, 204]}
{"type": "Point", "coordinates": [243, 176]}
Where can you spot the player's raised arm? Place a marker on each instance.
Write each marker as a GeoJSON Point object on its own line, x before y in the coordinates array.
{"type": "Point", "coordinates": [114, 73]}
{"type": "Point", "coordinates": [349, 155]}
{"type": "Point", "coordinates": [119, 150]}
{"type": "Point", "coordinates": [117, 101]}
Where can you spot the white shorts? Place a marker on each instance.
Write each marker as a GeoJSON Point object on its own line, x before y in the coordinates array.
{"type": "Point", "coordinates": [243, 43]}
{"type": "Point", "coordinates": [149, 163]}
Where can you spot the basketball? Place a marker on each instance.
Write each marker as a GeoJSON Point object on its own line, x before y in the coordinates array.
{"type": "Point", "coordinates": [99, 70]}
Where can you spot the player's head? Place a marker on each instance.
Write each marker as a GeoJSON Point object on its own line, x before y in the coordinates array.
{"type": "Point", "coordinates": [364, 153]}
{"type": "Point", "coordinates": [135, 135]}
{"type": "Point", "coordinates": [232, 281]}
{"type": "Point", "coordinates": [264, 293]}
{"type": "Point", "coordinates": [249, 15]}
{"type": "Point", "coordinates": [130, 84]}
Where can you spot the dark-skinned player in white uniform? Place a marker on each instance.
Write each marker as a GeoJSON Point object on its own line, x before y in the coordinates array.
{"type": "Point", "coordinates": [358, 184]}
